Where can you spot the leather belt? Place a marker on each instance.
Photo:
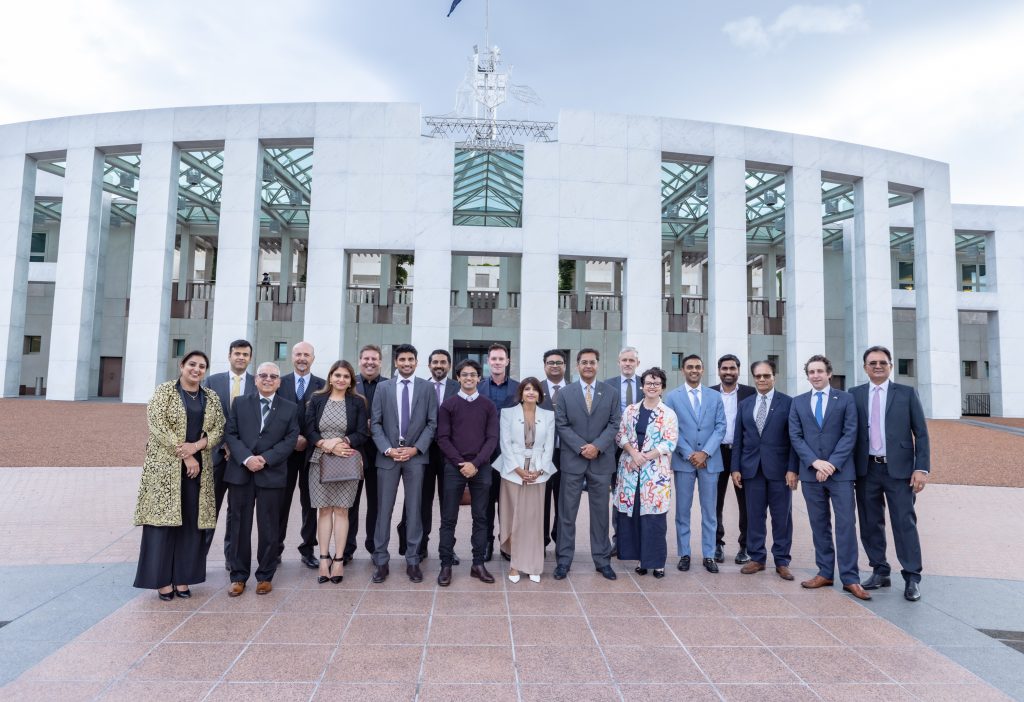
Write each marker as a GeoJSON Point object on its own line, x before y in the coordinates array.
{"type": "Point", "coordinates": [877, 459]}
{"type": "Point", "coordinates": [728, 446]}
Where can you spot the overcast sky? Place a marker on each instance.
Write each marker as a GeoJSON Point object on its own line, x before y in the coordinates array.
{"type": "Point", "coordinates": [936, 78]}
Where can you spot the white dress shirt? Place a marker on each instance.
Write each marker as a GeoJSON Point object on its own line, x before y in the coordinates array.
{"type": "Point", "coordinates": [824, 400]}
{"type": "Point", "coordinates": [729, 400]}
{"type": "Point", "coordinates": [400, 390]}
{"type": "Point", "coordinates": [883, 391]}
{"type": "Point", "coordinates": [770, 395]}
{"type": "Point", "coordinates": [468, 398]}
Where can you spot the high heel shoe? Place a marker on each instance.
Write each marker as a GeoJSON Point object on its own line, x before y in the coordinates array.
{"type": "Point", "coordinates": [513, 578]}
{"type": "Point", "coordinates": [166, 596]}
{"type": "Point", "coordinates": [534, 578]}
{"type": "Point", "coordinates": [337, 578]}
{"type": "Point", "coordinates": [640, 571]}
{"type": "Point", "coordinates": [659, 572]}
{"type": "Point", "coordinates": [330, 561]}
{"type": "Point", "coordinates": [183, 594]}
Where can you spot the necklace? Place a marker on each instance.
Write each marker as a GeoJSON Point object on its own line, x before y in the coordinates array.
{"type": "Point", "coordinates": [195, 396]}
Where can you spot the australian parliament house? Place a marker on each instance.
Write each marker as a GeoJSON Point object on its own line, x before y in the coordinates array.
{"type": "Point", "coordinates": [130, 238]}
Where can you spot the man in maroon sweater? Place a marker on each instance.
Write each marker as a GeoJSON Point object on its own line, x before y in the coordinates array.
{"type": "Point", "coordinates": [467, 433]}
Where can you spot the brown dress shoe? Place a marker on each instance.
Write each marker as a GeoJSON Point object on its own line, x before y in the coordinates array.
{"type": "Point", "coordinates": [857, 591]}
{"type": "Point", "coordinates": [263, 587]}
{"type": "Point", "coordinates": [481, 572]}
{"type": "Point", "coordinates": [236, 589]}
{"type": "Point", "coordinates": [816, 582]}
{"type": "Point", "coordinates": [752, 567]}
{"type": "Point", "coordinates": [784, 572]}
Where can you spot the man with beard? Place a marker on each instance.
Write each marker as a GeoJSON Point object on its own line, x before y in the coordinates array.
{"type": "Point", "coordinates": [733, 393]}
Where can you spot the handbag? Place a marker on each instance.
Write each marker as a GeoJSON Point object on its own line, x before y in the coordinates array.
{"type": "Point", "coordinates": [335, 469]}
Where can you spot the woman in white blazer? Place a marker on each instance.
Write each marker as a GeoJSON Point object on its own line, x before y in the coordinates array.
{"type": "Point", "coordinates": [527, 447]}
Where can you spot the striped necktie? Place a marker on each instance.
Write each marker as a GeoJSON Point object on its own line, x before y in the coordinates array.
{"type": "Point", "coordinates": [265, 411]}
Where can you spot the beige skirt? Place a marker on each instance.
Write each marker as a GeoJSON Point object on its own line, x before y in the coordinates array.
{"type": "Point", "coordinates": [521, 511]}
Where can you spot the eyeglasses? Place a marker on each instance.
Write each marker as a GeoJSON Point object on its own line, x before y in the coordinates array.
{"type": "Point", "coordinates": [653, 385]}
{"type": "Point", "coordinates": [467, 376]}
{"type": "Point", "coordinates": [554, 363]}
{"type": "Point", "coordinates": [763, 376]}
{"type": "Point", "coordinates": [267, 376]}
{"type": "Point", "coordinates": [587, 363]}
{"type": "Point", "coordinates": [877, 364]}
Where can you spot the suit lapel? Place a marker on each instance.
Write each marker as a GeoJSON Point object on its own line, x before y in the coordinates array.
{"type": "Point", "coordinates": [890, 393]}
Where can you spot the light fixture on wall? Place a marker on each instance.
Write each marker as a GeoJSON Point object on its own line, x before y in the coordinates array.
{"type": "Point", "coordinates": [126, 180]}
{"type": "Point", "coordinates": [294, 197]}
{"type": "Point", "coordinates": [268, 173]}
{"type": "Point", "coordinates": [701, 189]}
{"type": "Point", "coordinates": [193, 176]}
{"type": "Point", "coordinates": [770, 198]}
{"type": "Point", "coordinates": [831, 206]}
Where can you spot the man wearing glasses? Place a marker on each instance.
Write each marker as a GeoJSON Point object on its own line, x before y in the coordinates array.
{"type": "Point", "coordinates": [554, 383]}
{"type": "Point", "coordinates": [893, 459]}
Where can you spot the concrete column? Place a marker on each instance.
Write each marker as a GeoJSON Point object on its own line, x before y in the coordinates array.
{"type": "Point", "coordinates": [1004, 250]}
{"type": "Point", "coordinates": [538, 325]}
{"type": "Point", "coordinates": [186, 262]}
{"type": "Point", "coordinates": [769, 276]}
{"type": "Point", "coordinates": [387, 277]}
{"type": "Point", "coordinates": [750, 280]}
{"type": "Point", "coordinates": [675, 279]}
{"type": "Point", "coordinates": [148, 344]}
{"type": "Point", "coordinates": [727, 261]}
{"type": "Point", "coordinates": [431, 302]}
{"type": "Point", "coordinates": [642, 302]}
{"type": "Point", "coordinates": [286, 268]}
{"type": "Point", "coordinates": [17, 201]}
{"type": "Point", "coordinates": [851, 292]}
{"type": "Point", "coordinates": [74, 295]}
{"type": "Point", "coordinates": [580, 285]}
{"type": "Point", "coordinates": [234, 302]}
{"type": "Point", "coordinates": [938, 323]}
{"type": "Point", "coordinates": [872, 269]}
{"type": "Point", "coordinates": [805, 284]}
{"type": "Point", "coordinates": [617, 278]}
{"type": "Point", "coordinates": [326, 265]}
{"type": "Point", "coordinates": [460, 280]}
{"type": "Point", "coordinates": [209, 259]}
{"type": "Point", "coordinates": [503, 280]}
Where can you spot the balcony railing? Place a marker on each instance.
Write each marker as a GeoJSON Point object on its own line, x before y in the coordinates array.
{"type": "Point", "coordinates": [198, 302]}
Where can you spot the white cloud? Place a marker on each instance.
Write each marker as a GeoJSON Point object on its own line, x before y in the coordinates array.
{"type": "Point", "coordinates": [751, 32]}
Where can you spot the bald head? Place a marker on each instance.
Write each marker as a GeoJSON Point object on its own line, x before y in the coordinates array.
{"type": "Point", "coordinates": [302, 357]}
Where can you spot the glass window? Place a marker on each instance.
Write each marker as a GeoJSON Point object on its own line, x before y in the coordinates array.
{"type": "Point", "coordinates": [972, 277]}
{"type": "Point", "coordinates": [970, 369]}
{"type": "Point", "coordinates": [488, 189]}
{"type": "Point", "coordinates": [677, 361]}
{"type": "Point", "coordinates": [906, 276]}
{"type": "Point", "coordinates": [38, 251]}
{"type": "Point", "coordinates": [905, 366]}
{"type": "Point", "coordinates": [33, 344]}
{"type": "Point", "coordinates": [179, 348]}
{"type": "Point", "coordinates": [280, 350]}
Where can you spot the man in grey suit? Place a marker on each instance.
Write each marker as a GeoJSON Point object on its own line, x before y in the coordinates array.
{"type": "Point", "coordinates": [892, 457]}
{"type": "Point", "coordinates": [228, 385]}
{"type": "Point", "coordinates": [697, 459]}
{"type": "Point", "coordinates": [587, 419]}
{"type": "Point", "coordinates": [403, 423]}
{"type": "Point", "coordinates": [823, 431]}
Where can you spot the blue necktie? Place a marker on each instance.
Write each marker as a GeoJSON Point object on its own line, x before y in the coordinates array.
{"type": "Point", "coordinates": [300, 388]}
{"type": "Point", "coordinates": [264, 412]}
{"type": "Point", "coordinates": [696, 402]}
{"type": "Point", "coordinates": [403, 423]}
{"type": "Point", "coordinates": [819, 416]}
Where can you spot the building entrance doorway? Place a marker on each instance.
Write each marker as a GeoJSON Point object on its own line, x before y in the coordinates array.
{"type": "Point", "coordinates": [110, 376]}
{"type": "Point", "coordinates": [475, 350]}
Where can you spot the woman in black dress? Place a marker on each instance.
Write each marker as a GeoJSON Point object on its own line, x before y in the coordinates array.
{"type": "Point", "coordinates": [176, 500]}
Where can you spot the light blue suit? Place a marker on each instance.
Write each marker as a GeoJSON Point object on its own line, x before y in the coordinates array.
{"type": "Point", "coordinates": [703, 432]}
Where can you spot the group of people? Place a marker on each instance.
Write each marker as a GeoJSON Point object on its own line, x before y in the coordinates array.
{"type": "Point", "coordinates": [521, 454]}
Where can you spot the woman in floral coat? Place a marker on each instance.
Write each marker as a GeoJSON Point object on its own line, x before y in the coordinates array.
{"type": "Point", "coordinates": [647, 434]}
{"type": "Point", "coordinates": [176, 491]}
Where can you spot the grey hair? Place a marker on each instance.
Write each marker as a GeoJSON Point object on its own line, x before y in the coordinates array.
{"type": "Point", "coordinates": [627, 349]}
{"type": "Point", "coordinates": [269, 364]}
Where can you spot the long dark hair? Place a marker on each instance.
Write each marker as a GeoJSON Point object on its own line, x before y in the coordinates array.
{"type": "Point", "coordinates": [350, 391]}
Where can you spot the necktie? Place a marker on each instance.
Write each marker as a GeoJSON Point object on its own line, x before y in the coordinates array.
{"type": "Point", "coordinates": [696, 401]}
{"type": "Point", "coordinates": [819, 416]}
{"type": "Point", "coordinates": [438, 385]}
{"type": "Point", "coordinates": [589, 399]}
{"type": "Point", "coordinates": [876, 421]}
{"type": "Point", "coordinates": [236, 387]}
{"type": "Point", "coordinates": [554, 394]}
{"type": "Point", "coordinates": [403, 422]}
{"type": "Point", "coordinates": [762, 414]}
{"type": "Point", "coordinates": [300, 388]}
{"type": "Point", "coordinates": [629, 391]}
{"type": "Point", "coordinates": [265, 411]}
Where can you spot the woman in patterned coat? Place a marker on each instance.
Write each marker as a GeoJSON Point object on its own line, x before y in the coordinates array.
{"type": "Point", "coordinates": [648, 434]}
{"type": "Point", "coordinates": [176, 499]}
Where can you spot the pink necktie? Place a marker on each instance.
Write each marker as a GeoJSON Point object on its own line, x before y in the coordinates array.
{"type": "Point", "coordinates": [876, 422]}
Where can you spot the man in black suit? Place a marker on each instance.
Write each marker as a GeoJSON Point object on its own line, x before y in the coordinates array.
{"type": "Point", "coordinates": [261, 434]}
{"type": "Point", "coordinates": [228, 385]}
{"type": "Point", "coordinates": [367, 381]}
{"type": "Point", "coordinates": [297, 387]}
{"type": "Point", "coordinates": [764, 467]}
{"type": "Point", "coordinates": [440, 365]}
{"type": "Point", "coordinates": [893, 460]}
{"type": "Point", "coordinates": [555, 363]}
{"type": "Point", "coordinates": [733, 393]}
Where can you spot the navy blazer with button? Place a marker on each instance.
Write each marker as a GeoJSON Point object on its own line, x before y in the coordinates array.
{"type": "Point", "coordinates": [834, 441]}
{"type": "Point", "coordinates": [771, 450]}
{"type": "Point", "coordinates": [907, 446]}
{"type": "Point", "coordinates": [274, 442]}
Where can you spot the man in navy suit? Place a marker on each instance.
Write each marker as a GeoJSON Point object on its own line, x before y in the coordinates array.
{"type": "Point", "coordinates": [228, 385]}
{"type": "Point", "coordinates": [823, 430]}
{"type": "Point", "coordinates": [298, 386]}
{"type": "Point", "coordinates": [764, 470]}
{"type": "Point", "coordinates": [893, 457]}
{"type": "Point", "coordinates": [697, 459]}
{"type": "Point", "coordinates": [261, 433]}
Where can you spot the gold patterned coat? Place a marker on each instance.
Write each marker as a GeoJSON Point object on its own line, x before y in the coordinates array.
{"type": "Point", "coordinates": [159, 502]}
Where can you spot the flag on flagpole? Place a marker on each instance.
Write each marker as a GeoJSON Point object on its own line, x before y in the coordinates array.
{"type": "Point", "coordinates": [455, 4]}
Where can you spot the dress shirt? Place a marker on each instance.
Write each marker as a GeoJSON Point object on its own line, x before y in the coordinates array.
{"type": "Point", "coordinates": [729, 400]}
{"type": "Point", "coordinates": [757, 403]}
{"type": "Point", "coordinates": [550, 386]}
{"type": "Point", "coordinates": [637, 393]}
{"type": "Point", "coordinates": [241, 382]}
{"type": "Point", "coordinates": [497, 392]}
{"type": "Point", "coordinates": [305, 391]}
{"type": "Point", "coordinates": [439, 386]}
{"type": "Point", "coordinates": [469, 398]}
{"type": "Point", "coordinates": [824, 400]}
{"type": "Point", "coordinates": [690, 397]}
{"type": "Point", "coordinates": [400, 390]}
{"type": "Point", "coordinates": [593, 390]}
{"type": "Point", "coordinates": [883, 390]}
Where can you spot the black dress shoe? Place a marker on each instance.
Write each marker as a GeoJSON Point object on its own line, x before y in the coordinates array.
{"type": "Point", "coordinates": [166, 596]}
{"type": "Point", "coordinates": [607, 572]}
{"type": "Point", "coordinates": [380, 573]}
{"type": "Point", "coordinates": [659, 572]}
{"type": "Point", "coordinates": [444, 578]}
{"type": "Point", "coordinates": [640, 571]}
{"type": "Point", "coordinates": [309, 561]}
{"type": "Point", "coordinates": [684, 563]}
{"type": "Point", "coordinates": [346, 559]}
{"type": "Point", "coordinates": [560, 572]}
{"type": "Point", "coordinates": [183, 594]}
{"type": "Point", "coordinates": [876, 581]}
{"type": "Point", "coordinates": [719, 554]}
{"type": "Point", "coordinates": [414, 573]}
{"type": "Point", "coordinates": [710, 565]}
{"type": "Point", "coordinates": [742, 557]}
{"type": "Point", "coordinates": [481, 573]}
{"type": "Point", "coordinates": [912, 592]}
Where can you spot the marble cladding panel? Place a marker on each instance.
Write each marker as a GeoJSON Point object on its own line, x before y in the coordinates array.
{"type": "Point", "coordinates": [287, 120]}
{"type": "Point", "coordinates": [202, 123]}
{"type": "Point", "coordinates": [366, 155]}
{"type": "Point", "coordinates": [433, 194]}
{"type": "Point", "coordinates": [683, 136]}
{"type": "Point", "coordinates": [364, 192]}
{"type": "Point", "coordinates": [402, 119]}
{"type": "Point", "coordinates": [329, 192]}
{"type": "Point", "coordinates": [541, 160]}
{"type": "Point", "coordinates": [806, 151]}
{"type": "Point", "coordinates": [610, 129]}
{"type": "Point", "coordinates": [540, 235]}
{"type": "Point", "coordinates": [643, 167]}
{"type": "Point", "coordinates": [242, 122]}
{"type": "Point", "coordinates": [644, 204]}
{"type": "Point", "coordinates": [644, 133]}
{"type": "Point", "coordinates": [13, 139]}
{"type": "Point", "coordinates": [729, 142]}
{"type": "Point", "coordinates": [607, 201]}
{"type": "Point", "coordinates": [401, 156]}
{"type": "Point", "coordinates": [841, 157]}
{"type": "Point", "coordinates": [332, 120]}
{"type": "Point", "coordinates": [366, 120]}
{"type": "Point", "coordinates": [575, 236]}
{"type": "Point", "coordinates": [540, 197]}
{"type": "Point", "coordinates": [768, 146]}
{"type": "Point", "coordinates": [363, 230]}
{"type": "Point", "coordinates": [576, 127]}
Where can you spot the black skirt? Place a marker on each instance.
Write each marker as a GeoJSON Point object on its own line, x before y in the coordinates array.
{"type": "Point", "coordinates": [174, 555]}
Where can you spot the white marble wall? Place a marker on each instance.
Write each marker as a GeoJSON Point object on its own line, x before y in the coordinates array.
{"type": "Point", "coordinates": [873, 287]}
{"type": "Point", "coordinates": [17, 189]}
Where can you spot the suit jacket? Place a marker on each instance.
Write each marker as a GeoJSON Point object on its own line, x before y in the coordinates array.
{"type": "Point", "coordinates": [576, 427]}
{"type": "Point", "coordinates": [422, 420]}
{"type": "Point", "coordinates": [615, 383]}
{"type": "Point", "coordinates": [220, 383]}
{"type": "Point", "coordinates": [287, 390]}
{"type": "Point", "coordinates": [834, 441]}
{"type": "Point", "coordinates": [771, 450]}
{"type": "Point", "coordinates": [698, 433]}
{"type": "Point", "coordinates": [513, 444]}
{"type": "Point", "coordinates": [357, 413]}
{"type": "Point", "coordinates": [275, 442]}
{"type": "Point", "coordinates": [744, 391]}
{"type": "Point", "coordinates": [907, 447]}
{"type": "Point", "coordinates": [547, 403]}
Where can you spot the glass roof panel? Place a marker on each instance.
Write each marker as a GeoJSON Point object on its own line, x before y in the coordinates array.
{"type": "Point", "coordinates": [488, 190]}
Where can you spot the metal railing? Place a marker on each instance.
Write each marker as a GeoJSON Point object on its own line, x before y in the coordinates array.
{"type": "Point", "coordinates": [977, 404]}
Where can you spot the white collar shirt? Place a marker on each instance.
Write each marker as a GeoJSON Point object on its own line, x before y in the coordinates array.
{"type": "Point", "coordinates": [883, 395]}
{"type": "Point", "coordinates": [400, 391]}
{"type": "Point", "coordinates": [729, 400]}
{"type": "Point", "coordinates": [468, 398]}
{"type": "Point", "coordinates": [824, 400]}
